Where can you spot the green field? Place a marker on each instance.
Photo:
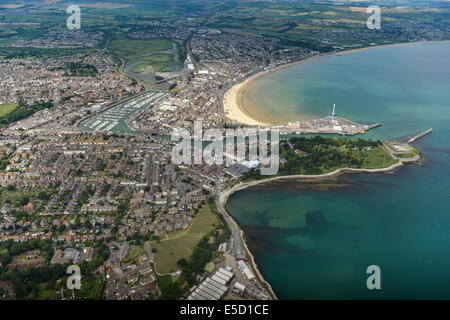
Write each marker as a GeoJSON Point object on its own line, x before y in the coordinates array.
{"type": "Point", "coordinates": [161, 62]}
{"type": "Point", "coordinates": [146, 55]}
{"type": "Point", "coordinates": [140, 67]}
{"type": "Point", "coordinates": [7, 108]}
{"type": "Point", "coordinates": [180, 244]}
{"type": "Point", "coordinates": [132, 49]}
{"type": "Point", "coordinates": [376, 158]}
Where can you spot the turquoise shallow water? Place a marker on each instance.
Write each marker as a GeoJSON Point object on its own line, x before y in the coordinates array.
{"type": "Point", "coordinates": [317, 244]}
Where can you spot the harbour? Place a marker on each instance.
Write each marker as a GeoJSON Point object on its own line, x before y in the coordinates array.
{"type": "Point", "coordinates": [114, 119]}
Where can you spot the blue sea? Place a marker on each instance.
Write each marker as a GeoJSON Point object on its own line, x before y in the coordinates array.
{"type": "Point", "coordinates": [317, 244]}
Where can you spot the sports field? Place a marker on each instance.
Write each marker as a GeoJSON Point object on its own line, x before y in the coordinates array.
{"type": "Point", "coordinates": [180, 244]}
{"type": "Point", "coordinates": [7, 108]}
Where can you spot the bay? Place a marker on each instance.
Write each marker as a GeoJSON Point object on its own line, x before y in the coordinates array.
{"type": "Point", "coordinates": [312, 244]}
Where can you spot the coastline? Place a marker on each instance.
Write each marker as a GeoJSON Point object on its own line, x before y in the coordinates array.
{"type": "Point", "coordinates": [233, 100]}
{"type": "Point", "coordinates": [235, 110]}
{"type": "Point", "coordinates": [223, 197]}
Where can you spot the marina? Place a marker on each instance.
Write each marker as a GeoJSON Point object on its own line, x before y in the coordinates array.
{"type": "Point", "coordinates": [114, 120]}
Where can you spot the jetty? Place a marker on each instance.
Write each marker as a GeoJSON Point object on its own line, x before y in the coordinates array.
{"type": "Point", "coordinates": [375, 125]}
{"type": "Point", "coordinates": [420, 135]}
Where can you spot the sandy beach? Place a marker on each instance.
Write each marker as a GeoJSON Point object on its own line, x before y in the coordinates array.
{"type": "Point", "coordinates": [232, 101]}
{"type": "Point", "coordinates": [236, 107]}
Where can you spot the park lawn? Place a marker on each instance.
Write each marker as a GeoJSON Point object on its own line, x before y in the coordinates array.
{"type": "Point", "coordinates": [180, 244]}
{"type": "Point", "coordinates": [376, 158]}
{"type": "Point", "coordinates": [7, 108]}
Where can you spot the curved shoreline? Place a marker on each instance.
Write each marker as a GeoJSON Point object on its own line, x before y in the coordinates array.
{"type": "Point", "coordinates": [224, 196]}
{"type": "Point", "coordinates": [235, 109]}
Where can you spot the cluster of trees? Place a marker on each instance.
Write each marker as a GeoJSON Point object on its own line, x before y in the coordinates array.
{"type": "Point", "coordinates": [80, 70]}
{"type": "Point", "coordinates": [101, 254]}
{"type": "Point", "coordinates": [312, 44]}
{"type": "Point", "coordinates": [122, 209]}
{"type": "Point", "coordinates": [31, 280]}
{"type": "Point", "coordinates": [23, 111]}
{"type": "Point", "coordinates": [27, 281]}
{"type": "Point", "coordinates": [105, 190]}
{"type": "Point", "coordinates": [92, 283]}
{"type": "Point", "coordinates": [17, 53]}
{"type": "Point", "coordinates": [4, 161]}
{"type": "Point", "coordinates": [203, 252]}
{"type": "Point", "coordinates": [324, 154]}
{"type": "Point", "coordinates": [321, 154]}
{"type": "Point", "coordinates": [139, 238]}
{"type": "Point", "coordinates": [309, 144]}
{"type": "Point", "coordinates": [10, 248]}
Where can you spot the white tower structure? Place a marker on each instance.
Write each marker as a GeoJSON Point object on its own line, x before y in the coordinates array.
{"type": "Point", "coordinates": [332, 113]}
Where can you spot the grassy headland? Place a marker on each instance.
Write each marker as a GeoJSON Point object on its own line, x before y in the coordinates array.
{"type": "Point", "coordinates": [319, 155]}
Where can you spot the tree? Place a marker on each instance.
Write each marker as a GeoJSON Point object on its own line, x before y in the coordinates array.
{"type": "Point", "coordinates": [5, 258]}
{"type": "Point", "coordinates": [182, 263]}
